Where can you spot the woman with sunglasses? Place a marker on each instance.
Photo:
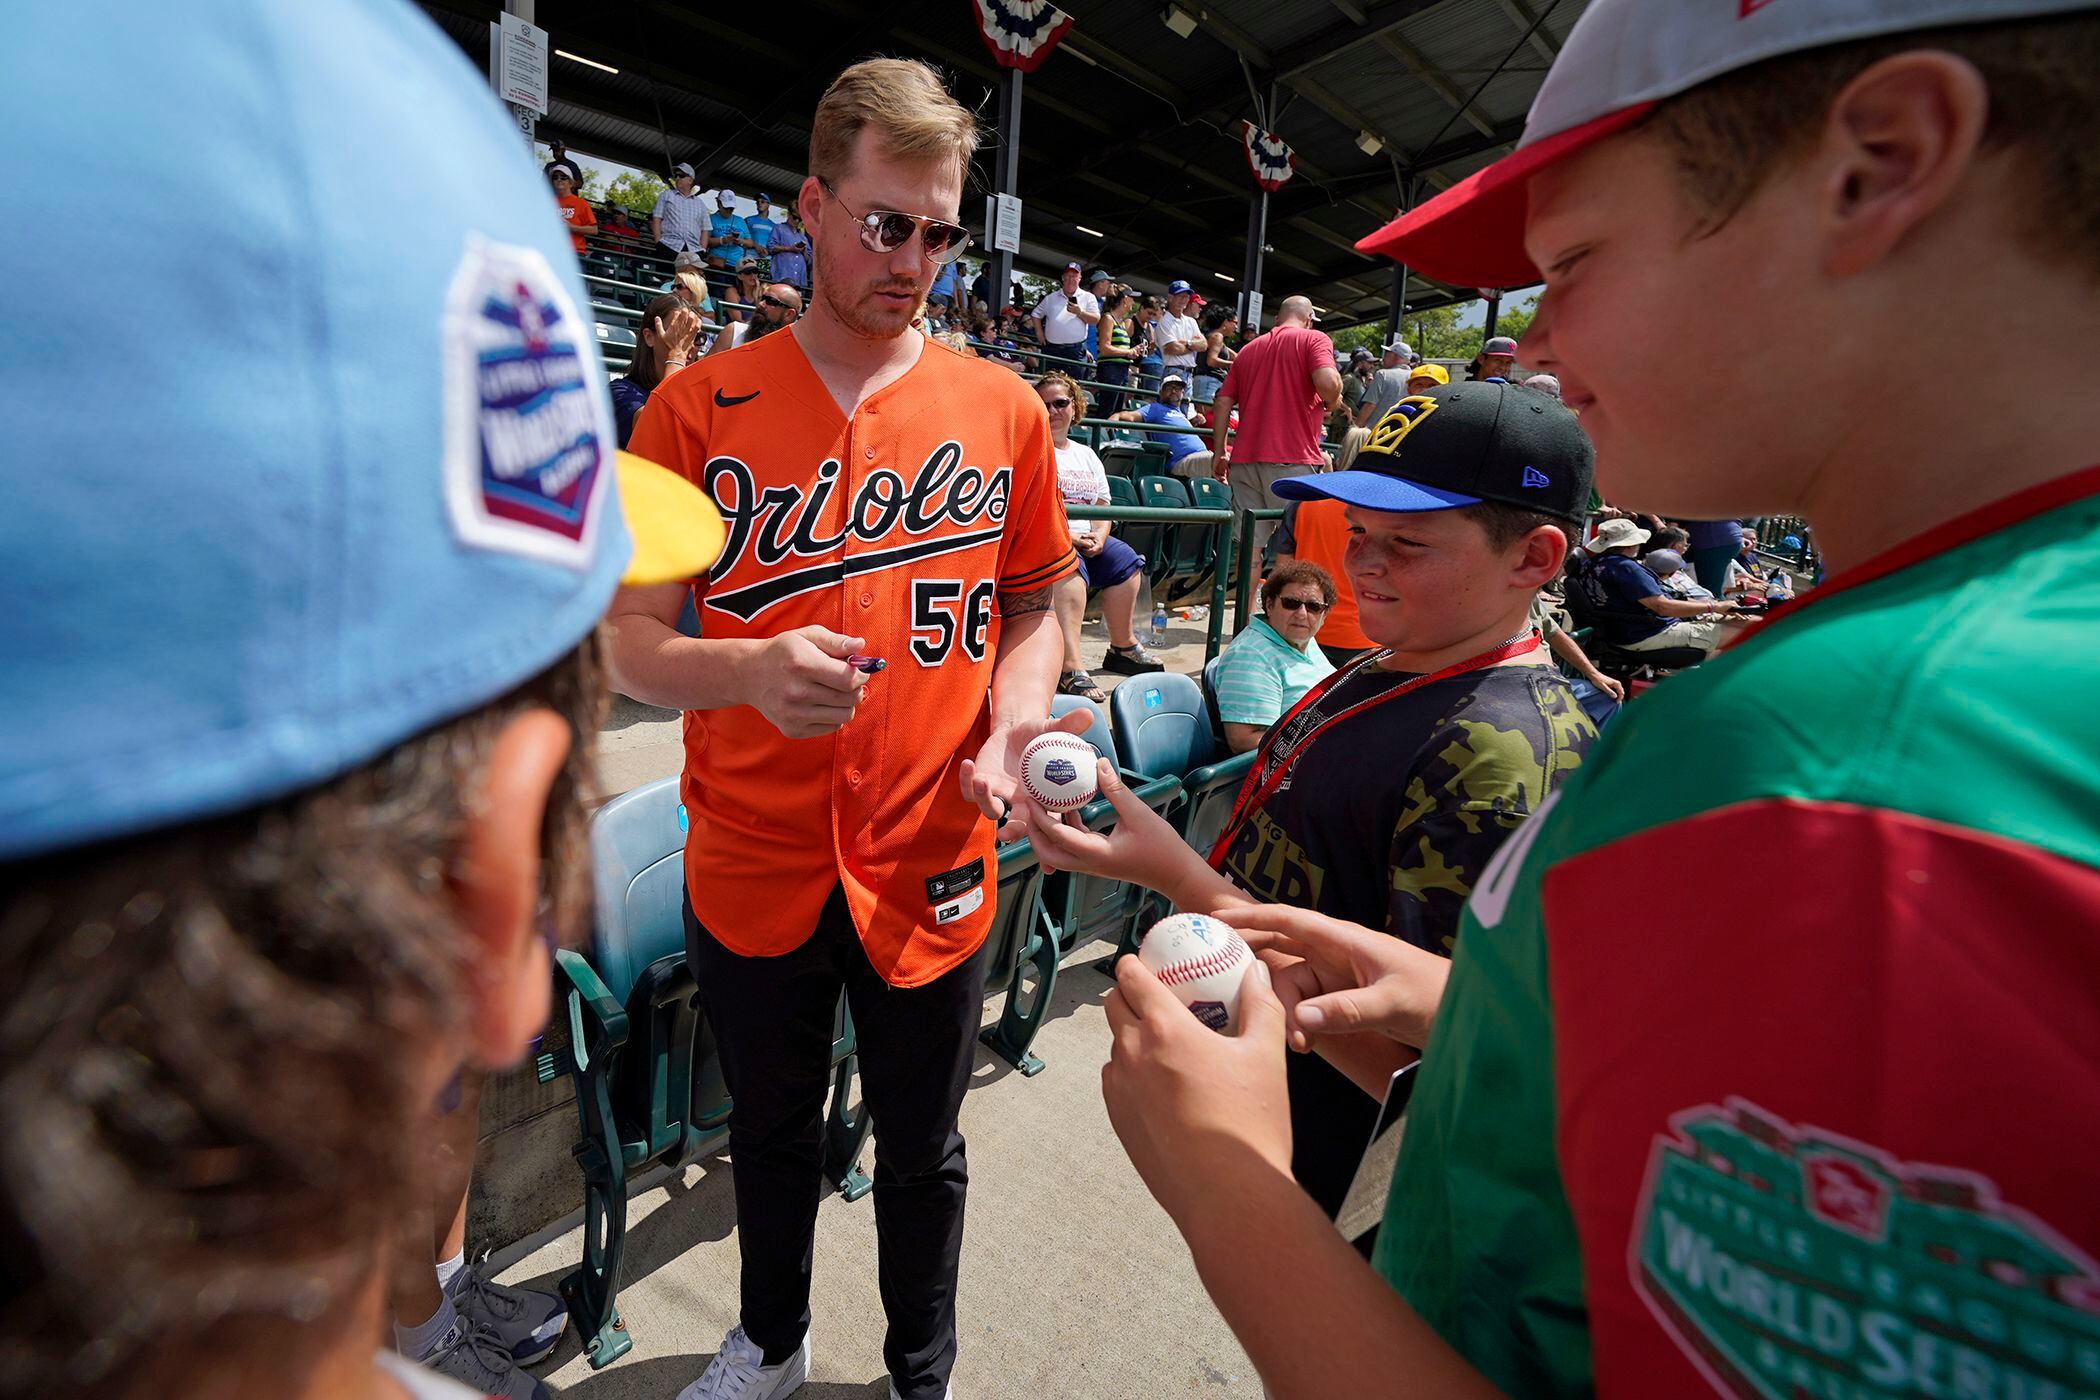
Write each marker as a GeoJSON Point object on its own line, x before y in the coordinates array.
{"type": "Point", "coordinates": [1107, 566]}
{"type": "Point", "coordinates": [1271, 664]}
{"type": "Point", "coordinates": [741, 303]}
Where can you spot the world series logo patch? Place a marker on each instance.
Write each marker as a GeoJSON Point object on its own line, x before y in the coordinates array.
{"type": "Point", "coordinates": [528, 431]}
{"type": "Point", "coordinates": [1789, 1262]}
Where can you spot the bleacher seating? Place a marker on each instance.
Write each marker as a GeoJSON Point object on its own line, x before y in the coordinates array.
{"type": "Point", "coordinates": [1085, 907]}
{"type": "Point", "coordinates": [649, 1089]}
{"type": "Point", "coordinates": [1163, 723]}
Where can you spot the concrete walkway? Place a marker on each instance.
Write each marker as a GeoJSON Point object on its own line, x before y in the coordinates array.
{"type": "Point", "coordinates": [1074, 1282]}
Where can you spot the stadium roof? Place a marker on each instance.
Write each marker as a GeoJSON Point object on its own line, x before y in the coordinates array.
{"type": "Point", "coordinates": [1129, 130]}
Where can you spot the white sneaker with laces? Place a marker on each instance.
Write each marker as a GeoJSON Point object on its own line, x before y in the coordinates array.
{"type": "Point", "coordinates": [739, 1372]}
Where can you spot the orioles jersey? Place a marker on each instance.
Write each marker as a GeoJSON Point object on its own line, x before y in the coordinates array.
{"type": "Point", "coordinates": [901, 525]}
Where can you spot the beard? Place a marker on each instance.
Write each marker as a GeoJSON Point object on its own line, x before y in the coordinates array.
{"type": "Point", "coordinates": [761, 325]}
{"type": "Point", "coordinates": [856, 304]}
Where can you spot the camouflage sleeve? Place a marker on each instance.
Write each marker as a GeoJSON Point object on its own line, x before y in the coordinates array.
{"type": "Point", "coordinates": [1488, 768]}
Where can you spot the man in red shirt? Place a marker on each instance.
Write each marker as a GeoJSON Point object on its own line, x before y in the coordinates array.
{"type": "Point", "coordinates": [1284, 383]}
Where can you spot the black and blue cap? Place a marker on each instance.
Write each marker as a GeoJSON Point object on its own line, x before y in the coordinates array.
{"type": "Point", "coordinates": [1460, 445]}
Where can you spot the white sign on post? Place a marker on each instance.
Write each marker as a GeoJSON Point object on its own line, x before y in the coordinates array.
{"type": "Point", "coordinates": [1251, 322]}
{"type": "Point", "coordinates": [521, 64]}
{"type": "Point", "coordinates": [1002, 223]}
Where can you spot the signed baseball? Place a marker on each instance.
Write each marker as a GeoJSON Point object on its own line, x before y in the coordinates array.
{"type": "Point", "coordinates": [1057, 770]}
{"type": "Point", "coordinates": [1202, 961]}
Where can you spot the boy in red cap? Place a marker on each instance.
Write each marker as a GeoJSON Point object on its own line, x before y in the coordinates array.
{"type": "Point", "coordinates": [1810, 1140]}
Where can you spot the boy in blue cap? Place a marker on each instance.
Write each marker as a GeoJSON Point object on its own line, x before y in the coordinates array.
{"type": "Point", "coordinates": [301, 687]}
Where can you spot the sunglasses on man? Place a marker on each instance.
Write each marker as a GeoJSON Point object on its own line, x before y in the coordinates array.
{"type": "Point", "coordinates": [776, 303]}
{"type": "Point", "coordinates": [886, 230]}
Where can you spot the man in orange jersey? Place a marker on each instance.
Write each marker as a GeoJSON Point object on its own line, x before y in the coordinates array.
{"type": "Point", "coordinates": [885, 498]}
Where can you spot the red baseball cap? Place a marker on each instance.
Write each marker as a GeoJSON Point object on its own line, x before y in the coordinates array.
{"type": "Point", "coordinates": [1621, 59]}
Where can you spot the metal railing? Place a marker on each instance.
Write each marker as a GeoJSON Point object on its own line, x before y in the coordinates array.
{"type": "Point", "coordinates": [1245, 564]}
{"type": "Point", "coordinates": [1220, 522]}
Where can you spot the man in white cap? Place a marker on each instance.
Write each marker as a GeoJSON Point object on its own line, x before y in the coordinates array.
{"type": "Point", "coordinates": [679, 221]}
{"type": "Point", "coordinates": [1644, 615]}
{"type": "Point", "coordinates": [1061, 321]}
{"type": "Point", "coordinates": [1389, 385]}
{"type": "Point", "coordinates": [1811, 1140]}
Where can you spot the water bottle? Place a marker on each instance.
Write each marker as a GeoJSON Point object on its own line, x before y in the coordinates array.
{"type": "Point", "coordinates": [1159, 624]}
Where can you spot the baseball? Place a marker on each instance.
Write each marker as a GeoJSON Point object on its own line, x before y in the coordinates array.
{"type": "Point", "coordinates": [1057, 770]}
{"type": "Point", "coordinates": [1202, 962]}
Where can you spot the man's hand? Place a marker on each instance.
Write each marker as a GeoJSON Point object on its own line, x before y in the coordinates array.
{"type": "Point", "coordinates": [1184, 1098]}
{"type": "Point", "coordinates": [1606, 684]}
{"type": "Point", "coordinates": [801, 683]}
{"type": "Point", "coordinates": [993, 779]}
{"type": "Point", "coordinates": [1090, 544]}
{"type": "Point", "coordinates": [1338, 978]}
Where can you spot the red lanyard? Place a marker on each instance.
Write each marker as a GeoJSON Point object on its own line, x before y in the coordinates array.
{"type": "Point", "coordinates": [1271, 770]}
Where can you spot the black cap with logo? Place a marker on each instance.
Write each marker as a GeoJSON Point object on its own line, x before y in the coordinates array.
{"type": "Point", "coordinates": [1459, 445]}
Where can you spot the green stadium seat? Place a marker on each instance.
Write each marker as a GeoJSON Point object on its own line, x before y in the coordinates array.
{"type": "Point", "coordinates": [649, 1088]}
{"type": "Point", "coordinates": [1083, 907]}
{"type": "Point", "coordinates": [1164, 724]}
{"type": "Point", "coordinates": [1022, 939]}
{"type": "Point", "coordinates": [1121, 458]}
{"type": "Point", "coordinates": [1122, 491]}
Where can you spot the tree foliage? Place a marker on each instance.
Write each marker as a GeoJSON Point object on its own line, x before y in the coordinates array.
{"type": "Point", "coordinates": [1437, 335]}
{"type": "Point", "coordinates": [635, 192]}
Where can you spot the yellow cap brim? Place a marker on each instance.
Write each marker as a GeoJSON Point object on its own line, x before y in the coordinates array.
{"type": "Point", "coordinates": [677, 531]}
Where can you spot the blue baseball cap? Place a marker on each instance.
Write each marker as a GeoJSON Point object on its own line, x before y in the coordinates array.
{"type": "Point", "coordinates": [1177, 286]}
{"type": "Point", "coordinates": [357, 475]}
{"type": "Point", "coordinates": [1459, 445]}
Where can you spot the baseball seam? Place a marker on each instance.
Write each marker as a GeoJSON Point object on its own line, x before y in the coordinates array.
{"type": "Point", "coordinates": [1173, 974]}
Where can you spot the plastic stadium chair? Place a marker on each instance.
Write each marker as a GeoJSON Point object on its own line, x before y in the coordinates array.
{"type": "Point", "coordinates": [1122, 491]}
{"type": "Point", "coordinates": [649, 1087]}
{"type": "Point", "coordinates": [1121, 458]}
{"type": "Point", "coordinates": [619, 335]}
{"type": "Point", "coordinates": [1164, 724]}
{"type": "Point", "coordinates": [1083, 907]}
{"type": "Point", "coordinates": [1021, 938]}
{"type": "Point", "coordinates": [1210, 699]}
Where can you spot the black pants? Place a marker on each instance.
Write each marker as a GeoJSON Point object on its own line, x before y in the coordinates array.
{"type": "Point", "coordinates": [1331, 1122]}
{"type": "Point", "coordinates": [772, 1018]}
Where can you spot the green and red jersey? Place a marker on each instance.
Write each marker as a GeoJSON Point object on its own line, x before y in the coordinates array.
{"type": "Point", "coordinates": [1802, 971]}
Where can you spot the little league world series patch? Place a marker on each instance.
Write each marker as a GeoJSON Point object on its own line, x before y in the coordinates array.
{"type": "Point", "coordinates": [528, 443]}
{"type": "Point", "coordinates": [1790, 1263]}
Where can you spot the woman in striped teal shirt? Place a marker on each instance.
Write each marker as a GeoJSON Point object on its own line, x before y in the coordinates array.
{"type": "Point", "coordinates": [1271, 664]}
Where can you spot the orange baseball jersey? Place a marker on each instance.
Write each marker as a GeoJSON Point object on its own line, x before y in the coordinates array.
{"type": "Point", "coordinates": [900, 526]}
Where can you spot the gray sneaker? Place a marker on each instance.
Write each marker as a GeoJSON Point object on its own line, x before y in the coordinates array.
{"type": "Point", "coordinates": [471, 1355]}
{"type": "Point", "coordinates": [527, 1324]}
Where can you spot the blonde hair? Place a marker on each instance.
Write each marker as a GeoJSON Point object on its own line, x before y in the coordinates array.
{"type": "Point", "coordinates": [908, 106]}
{"type": "Point", "coordinates": [1079, 400]}
{"type": "Point", "coordinates": [1352, 443]}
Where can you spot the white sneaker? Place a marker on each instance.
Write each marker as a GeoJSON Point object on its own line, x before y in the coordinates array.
{"type": "Point", "coordinates": [948, 1394]}
{"type": "Point", "coordinates": [739, 1372]}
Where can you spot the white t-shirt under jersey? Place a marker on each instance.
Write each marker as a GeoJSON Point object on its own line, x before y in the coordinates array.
{"type": "Point", "coordinates": [1081, 480]}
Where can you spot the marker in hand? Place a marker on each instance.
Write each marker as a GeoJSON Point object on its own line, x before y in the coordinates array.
{"type": "Point", "coordinates": [866, 665]}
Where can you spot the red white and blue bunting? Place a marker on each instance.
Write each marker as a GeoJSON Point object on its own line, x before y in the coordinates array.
{"type": "Point", "coordinates": [1020, 33]}
{"type": "Point", "coordinates": [1271, 161]}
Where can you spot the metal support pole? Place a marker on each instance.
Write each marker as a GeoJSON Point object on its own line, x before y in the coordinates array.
{"type": "Point", "coordinates": [528, 120]}
{"type": "Point", "coordinates": [1398, 311]}
{"type": "Point", "coordinates": [1494, 301]}
{"type": "Point", "coordinates": [1006, 172]}
{"type": "Point", "coordinates": [1396, 314]}
{"type": "Point", "coordinates": [1250, 273]}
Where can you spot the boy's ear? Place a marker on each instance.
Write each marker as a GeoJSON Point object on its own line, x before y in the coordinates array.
{"type": "Point", "coordinates": [1898, 141]}
{"type": "Point", "coordinates": [1535, 560]}
{"type": "Point", "coordinates": [496, 889]}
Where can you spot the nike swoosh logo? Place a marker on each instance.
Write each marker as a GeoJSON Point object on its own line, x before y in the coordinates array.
{"type": "Point", "coordinates": [723, 400]}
